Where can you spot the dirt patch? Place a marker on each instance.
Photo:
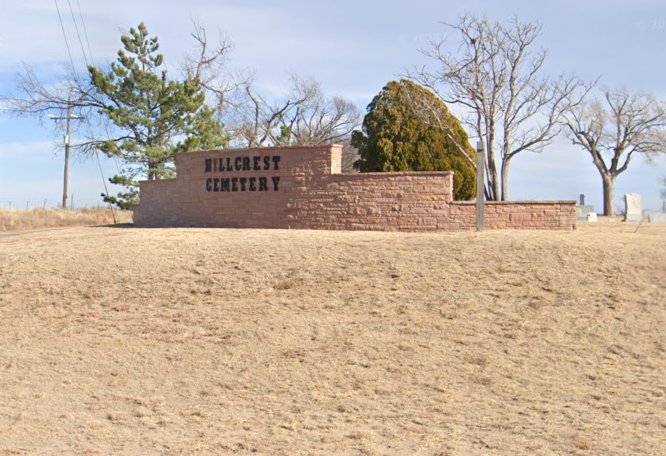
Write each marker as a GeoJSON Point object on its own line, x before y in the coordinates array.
{"type": "Point", "coordinates": [215, 341]}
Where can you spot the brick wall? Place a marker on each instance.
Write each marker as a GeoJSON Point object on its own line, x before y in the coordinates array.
{"type": "Point", "coordinates": [303, 187]}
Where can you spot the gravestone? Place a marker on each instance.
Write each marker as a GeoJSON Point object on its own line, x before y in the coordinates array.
{"type": "Point", "coordinates": [633, 208]}
{"type": "Point", "coordinates": [656, 217]}
{"type": "Point", "coordinates": [582, 209]}
{"type": "Point", "coordinates": [592, 217]}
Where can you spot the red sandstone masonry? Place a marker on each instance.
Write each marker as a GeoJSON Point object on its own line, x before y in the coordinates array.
{"type": "Point", "coordinates": [313, 194]}
{"type": "Point", "coordinates": [534, 215]}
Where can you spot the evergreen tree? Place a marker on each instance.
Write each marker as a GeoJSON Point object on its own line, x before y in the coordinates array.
{"type": "Point", "coordinates": [399, 134]}
{"type": "Point", "coordinates": [155, 117]}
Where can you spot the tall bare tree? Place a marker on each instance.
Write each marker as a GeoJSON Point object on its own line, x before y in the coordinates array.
{"type": "Point", "coordinates": [494, 72]}
{"type": "Point", "coordinates": [322, 120]}
{"type": "Point", "coordinates": [33, 98]}
{"type": "Point", "coordinates": [255, 120]}
{"type": "Point", "coordinates": [208, 64]}
{"type": "Point", "coordinates": [616, 128]}
{"type": "Point", "coordinates": [304, 116]}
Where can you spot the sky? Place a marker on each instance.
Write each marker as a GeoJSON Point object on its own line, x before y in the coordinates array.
{"type": "Point", "coordinates": [353, 48]}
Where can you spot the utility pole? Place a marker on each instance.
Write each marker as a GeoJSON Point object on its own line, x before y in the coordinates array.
{"type": "Point", "coordinates": [68, 118]}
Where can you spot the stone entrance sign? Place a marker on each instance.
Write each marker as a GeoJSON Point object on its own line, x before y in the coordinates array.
{"type": "Point", "coordinates": [304, 188]}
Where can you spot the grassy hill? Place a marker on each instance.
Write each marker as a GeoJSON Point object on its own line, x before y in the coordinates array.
{"type": "Point", "coordinates": [215, 341]}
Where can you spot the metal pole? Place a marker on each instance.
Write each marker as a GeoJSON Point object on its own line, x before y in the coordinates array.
{"type": "Point", "coordinates": [480, 184]}
{"type": "Point", "coordinates": [67, 131]}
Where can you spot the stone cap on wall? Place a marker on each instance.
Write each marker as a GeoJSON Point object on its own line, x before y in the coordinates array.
{"type": "Point", "coordinates": [245, 149]}
{"type": "Point", "coordinates": [399, 173]}
{"type": "Point", "coordinates": [545, 202]}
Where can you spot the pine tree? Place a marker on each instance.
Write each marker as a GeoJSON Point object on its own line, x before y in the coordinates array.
{"type": "Point", "coordinates": [154, 116]}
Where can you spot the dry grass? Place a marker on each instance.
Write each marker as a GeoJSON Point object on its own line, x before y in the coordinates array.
{"type": "Point", "coordinates": [30, 219]}
{"type": "Point", "coordinates": [205, 341]}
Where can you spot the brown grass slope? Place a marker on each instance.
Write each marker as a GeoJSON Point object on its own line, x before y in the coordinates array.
{"type": "Point", "coordinates": [200, 341]}
{"type": "Point", "coordinates": [30, 219]}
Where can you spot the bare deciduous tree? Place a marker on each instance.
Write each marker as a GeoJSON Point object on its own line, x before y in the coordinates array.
{"type": "Point", "coordinates": [322, 120]}
{"type": "Point", "coordinates": [208, 65]}
{"type": "Point", "coordinates": [304, 116]}
{"type": "Point", "coordinates": [616, 128]}
{"type": "Point", "coordinates": [255, 121]}
{"type": "Point", "coordinates": [494, 73]}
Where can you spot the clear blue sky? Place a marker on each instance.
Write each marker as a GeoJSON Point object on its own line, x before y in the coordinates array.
{"type": "Point", "coordinates": [352, 47]}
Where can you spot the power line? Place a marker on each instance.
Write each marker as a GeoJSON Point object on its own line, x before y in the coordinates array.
{"type": "Point", "coordinates": [85, 31]}
{"type": "Point", "coordinates": [78, 35]}
{"type": "Point", "coordinates": [64, 34]}
{"type": "Point", "coordinates": [117, 165]}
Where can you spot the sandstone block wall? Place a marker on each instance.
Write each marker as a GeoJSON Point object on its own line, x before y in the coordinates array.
{"type": "Point", "coordinates": [303, 188]}
{"type": "Point", "coordinates": [528, 215]}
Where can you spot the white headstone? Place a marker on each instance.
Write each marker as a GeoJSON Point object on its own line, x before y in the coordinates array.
{"type": "Point", "coordinates": [657, 217]}
{"type": "Point", "coordinates": [582, 211]}
{"type": "Point", "coordinates": [592, 217]}
{"type": "Point", "coordinates": [633, 209]}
